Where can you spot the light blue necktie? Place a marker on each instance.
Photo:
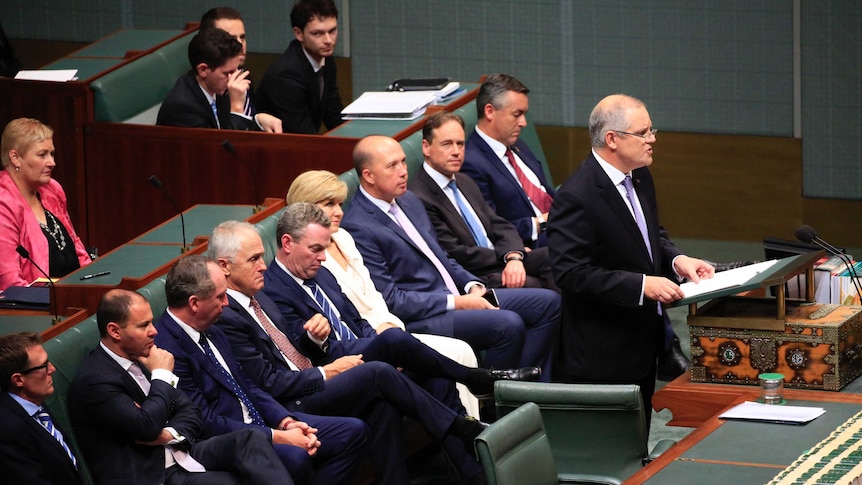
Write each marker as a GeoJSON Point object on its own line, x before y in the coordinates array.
{"type": "Point", "coordinates": [340, 328]}
{"type": "Point", "coordinates": [639, 219]}
{"type": "Point", "coordinates": [474, 224]}
{"type": "Point", "coordinates": [215, 112]}
{"type": "Point", "coordinates": [45, 419]}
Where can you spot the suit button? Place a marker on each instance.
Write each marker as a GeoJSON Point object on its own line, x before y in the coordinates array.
{"type": "Point", "coordinates": [298, 403]}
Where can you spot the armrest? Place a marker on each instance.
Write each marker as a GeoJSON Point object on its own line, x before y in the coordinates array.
{"type": "Point", "coordinates": [585, 479]}
{"type": "Point", "coordinates": [659, 448]}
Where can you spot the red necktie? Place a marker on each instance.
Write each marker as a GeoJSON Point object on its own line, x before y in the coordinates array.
{"type": "Point", "coordinates": [539, 197]}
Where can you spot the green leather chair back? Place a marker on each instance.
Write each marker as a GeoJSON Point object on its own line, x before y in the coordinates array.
{"type": "Point", "coordinates": [154, 292]}
{"type": "Point", "coordinates": [66, 352]}
{"type": "Point", "coordinates": [352, 180]}
{"type": "Point", "coordinates": [516, 451]}
{"type": "Point", "coordinates": [593, 429]}
{"type": "Point", "coordinates": [267, 230]}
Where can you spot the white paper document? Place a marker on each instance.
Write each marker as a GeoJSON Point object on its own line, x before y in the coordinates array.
{"type": "Point", "coordinates": [726, 279]}
{"type": "Point", "coordinates": [57, 75]}
{"type": "Point", "coordinates": [771, 413]}
{"type": "Point", "coordinates": [405, 105]}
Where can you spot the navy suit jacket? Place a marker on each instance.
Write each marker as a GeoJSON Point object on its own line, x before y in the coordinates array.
{"type": "Point", "coordinates": [500, 188]}
{"type": "Point", "coordinates": [28, 453]}
{"type": "Point", "coordinates": [110, 412]}
{"type": "Point", "coordinates": [452, 231]}
{"type": "Point", "coordinates": [290, 91]}
{"type": "Point", "coordinates": [408, 280]}
{"type": "Point", "coordinates": [186, 106]}
{"type": "Point", "coordinates": [297, 306]}
{"type": "Point", "coordinates": [261, 360]}
{"type": "Point", "coordinates": [599, 259]}
{"type": "Point", "coordinates": [207, 387]}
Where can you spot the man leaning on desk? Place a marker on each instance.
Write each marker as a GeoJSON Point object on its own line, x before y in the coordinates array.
{"type": "Point", "coordinates": [213, 93]}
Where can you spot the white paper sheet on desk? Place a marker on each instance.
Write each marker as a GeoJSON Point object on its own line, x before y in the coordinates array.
{"type": "Point", "coordinates": [771, 413]}
{"type": "Point", "coordinates": [56, 75]}
{"type": "Point", "coordinates": [726, 279]}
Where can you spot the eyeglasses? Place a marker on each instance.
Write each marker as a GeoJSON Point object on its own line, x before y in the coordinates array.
{"type": "Point", "coordinates": [643, 135]}
{"type": "Point", "coordinates": [34, 369]}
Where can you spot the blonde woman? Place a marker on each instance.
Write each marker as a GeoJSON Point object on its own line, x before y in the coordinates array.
{"type": "Point", "coordinates": [344, 261]}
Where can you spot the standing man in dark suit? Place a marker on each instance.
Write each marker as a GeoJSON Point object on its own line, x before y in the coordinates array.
{"type": "Point", "coordinates": [33, 450]}
{"type": "Point", "coordinates": [509, 175]}
{"type": "Point", "coordinates": [137, 428]}
{"type": "Point", "coordinates": [213, 94]}
{"type": "Point", "coordinates": [423, 286]}
{"type": "Point", "coordinates": [612, 258]}
{"type": "Point", "coordinates": [467, 228]}
{"type": "Point", "coordinates": [196, 291]}
{"type": "Point", "coordinates": [279, 349]}
{"type": "Point", "coordinates": [300, 86]}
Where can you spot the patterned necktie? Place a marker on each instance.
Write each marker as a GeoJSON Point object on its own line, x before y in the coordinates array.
{"type": "Point", "coordinates": [280, 339]}
{"type": "Point", "coordinates": [249, 109]}
{"type": "Point", "coordinates": [420, 242]}
{"type": "Point", "coordinates": [215, 113]}
{"type": "Point", "coordinates": [320, 83]}
{"type": "Point", "coordinates": [45, 419]}
{"type": "Point", "coordinates": [539, 197]}
{"type": "Point", "coordinates": [636, 209]}
{"type": "Point", "coordinates": [472, 222]}
{"type": "Point", "coordinates": [340, 328]}
{"type": "Point", "coordinates": [238, 392]}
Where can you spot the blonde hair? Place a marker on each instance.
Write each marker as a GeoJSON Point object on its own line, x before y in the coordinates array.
{"type": "Point", "coordinates": [316, 186]}
{"type": "Point", "coordinates": [20, 134]}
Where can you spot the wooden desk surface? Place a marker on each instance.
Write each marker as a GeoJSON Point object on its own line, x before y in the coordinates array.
{"type": "Point", "coordinates": [720, 452]}
{"type": "Point", "coordinates": [692, 403]}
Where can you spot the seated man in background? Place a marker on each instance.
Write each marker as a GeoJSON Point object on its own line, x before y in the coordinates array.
{"type": "Point", "coordinates": [135, 427]}
{"type": "Point", "coordinates": [467, 228]}
{"type": "Point", "coordinates": [279, 350]}
{"type": "Point", "coordinates": [300, 86]}
{"type": "Point", "coordinates": [230, 20]}
{"type": "Point", "coordinates": [33, 450]}
{"type": "Point", "coordinates": [327, 451]}
{"type": "Point", "coordinates": [426, 288]}
{"type": "Point", "coordinates": [213, 93]}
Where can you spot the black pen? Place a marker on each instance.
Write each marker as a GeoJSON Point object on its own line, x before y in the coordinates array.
{"type": "Point", "coordinates": [100, 273]}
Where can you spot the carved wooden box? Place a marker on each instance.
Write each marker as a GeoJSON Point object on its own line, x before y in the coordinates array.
{"type": "Point", "coordinates": [820, 346]}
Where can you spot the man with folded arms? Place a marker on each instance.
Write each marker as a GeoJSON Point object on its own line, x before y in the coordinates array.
{"type": "Point", "coordinates": [135, 427]}
{"type": "Point", "coordinates": [33, 448]}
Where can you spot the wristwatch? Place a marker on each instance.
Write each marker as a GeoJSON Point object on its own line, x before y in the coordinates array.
{"type": "Point", "coordinates": [543, 226]}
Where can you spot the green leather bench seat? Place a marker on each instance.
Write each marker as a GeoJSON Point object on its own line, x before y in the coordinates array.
{"type": "Point", "coordinates": [141, 85]}
{"type": "Point", "coordinates": [154, 292]}
{"type": "Point", "coordinates": [66, 351]}
{"type": "Point", "coordinates": [266, 228]}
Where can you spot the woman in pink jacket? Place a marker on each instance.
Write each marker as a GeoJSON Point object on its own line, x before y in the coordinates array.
{"type": "Point", "coordinates": [33, 210]}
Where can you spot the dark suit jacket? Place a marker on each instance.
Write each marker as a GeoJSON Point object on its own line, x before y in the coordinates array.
{"type": "Point", "coordinates": [454, 235]}
{"type": "Point", "coordinates": [28, 453]}
{"type": "Point", "coordinates": [207, 387]}
{"type": "Point", "coordinates": [290, 91]}
{"type": "Point", "coordinates": [296, 307]}
{"type": "Point", "coordinates": [500, 189]}
{"type": "Point", "coordinates": [599, 259]}
{"type": "Point", "coordinates": [107, 421]}
{"type": "Point", "coordinates": [408, 280]}
{"type": "Point", "coordinates": [186, 106]}
{"type": "Point", "coordinates": [260, 358]}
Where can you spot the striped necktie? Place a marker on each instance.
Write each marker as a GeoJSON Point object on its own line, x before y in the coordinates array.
{"type": "Point", "coordinates": [340, 328]}
{"type": "Point", "coordinates": [539, 197]}
{"type": "Point", "coordinates": [45, 420]}
{"type": "Point", "coordinates": [238, 392]}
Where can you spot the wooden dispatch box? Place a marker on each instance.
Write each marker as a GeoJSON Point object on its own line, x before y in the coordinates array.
{"type": "Point", "coordinates": [819, 346]}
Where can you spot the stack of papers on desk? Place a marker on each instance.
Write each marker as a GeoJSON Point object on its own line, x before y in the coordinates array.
{"type": "Point", "coordinates": [771, 413]}
{"type": "Point", "coordinates": [726, 279]}
{"type": "Point", "coordinates": [389, 105]}
{"type": "Point", "coordinates": [56, 75]}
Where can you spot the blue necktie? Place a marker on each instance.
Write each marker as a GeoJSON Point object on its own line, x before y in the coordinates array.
{"type": "Point", "coordinates": [473, 223]}
{"type": "Point", "coordinates": [238, 392]}
{"type": "Point", "coordinates": [340, 328]}
{"type": "Point", "coordinates": [45, 419]}
{"type": "Point", "coordinates": [639, 219]}
{"type": "Point", "coordinates": [215, 112]}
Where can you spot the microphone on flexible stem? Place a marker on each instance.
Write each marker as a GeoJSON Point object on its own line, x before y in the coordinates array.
{"type": "Point", "coordinates": [807, 234]}
{"type": "Point", "coordinates": [228, 146]}
{"type": "Point", "coordinates": [26, 255]}
{"type": "Point", "coordinates": [155, 182]}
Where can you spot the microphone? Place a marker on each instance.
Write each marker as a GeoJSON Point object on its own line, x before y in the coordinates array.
{"type": "Point", "coordinates": [807, 234]}
{"type": "Point", "coordinates": [26, 255]}
{"type": "Point", "coordinates": [155, 182]}
{"type": "Point", "coordinates": [228, 146]}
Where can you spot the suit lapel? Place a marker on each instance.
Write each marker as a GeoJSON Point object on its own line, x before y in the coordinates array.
{"type": "Point", "coordinates": [43, 434]}
{"type": "Point", "coordinates": [446, 205]}
{"type": "Point", "coordinates": [385, 220]}
{"type": "Point", "coordinates": [294, 288]}
{"type": "Point", "coordinates": [474, 198]}
{"type": "Point", "coordinates": [191, 348]}
{"type": "Point", "coordinates": [503, 171]}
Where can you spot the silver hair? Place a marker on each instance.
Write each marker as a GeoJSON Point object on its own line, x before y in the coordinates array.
{"type": "Point", "coordinates": [611, 118]}
{"type": "Point", "coordinates": [296, 217]}
{"type": "Point", "coordinates": [225, 242]}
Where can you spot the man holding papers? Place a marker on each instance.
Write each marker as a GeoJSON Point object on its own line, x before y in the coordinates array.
{"type": "Point", "coordinates": [611, 258]}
